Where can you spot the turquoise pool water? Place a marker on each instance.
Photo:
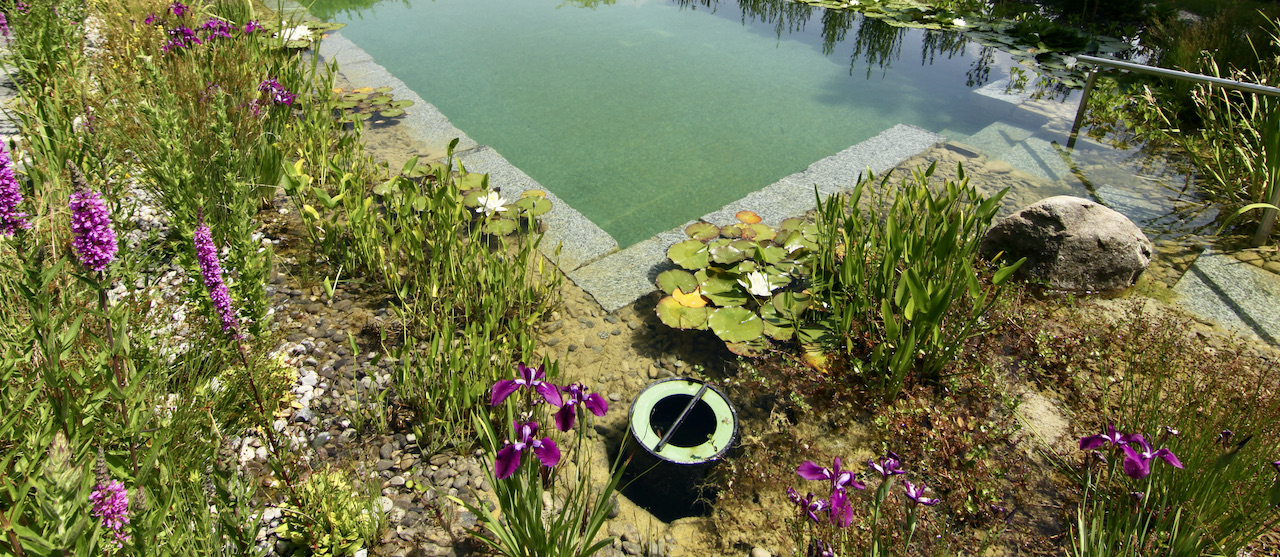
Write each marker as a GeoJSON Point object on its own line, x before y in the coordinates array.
{"type": "Point", "coordinates": [644, 114]}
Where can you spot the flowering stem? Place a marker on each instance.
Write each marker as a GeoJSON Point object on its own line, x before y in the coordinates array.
{"type": "Point", "coordinates": [13, 536]}
{"type": "Point", "coordinates": [117, 364]}
{"type": "Point", "coordinates": [262, 410]}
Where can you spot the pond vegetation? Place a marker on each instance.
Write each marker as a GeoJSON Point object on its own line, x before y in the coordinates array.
{"type": "Point", "coordinates": [183, 173]}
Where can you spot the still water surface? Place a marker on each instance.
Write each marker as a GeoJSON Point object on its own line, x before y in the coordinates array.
{"type": "Point", "coordinates": [644, 114]}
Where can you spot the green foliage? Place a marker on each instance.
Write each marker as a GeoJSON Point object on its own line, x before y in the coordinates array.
{"type": "Point", "coordinates": [745, 284]}
{"type": "Point", "coordinates": [1221, 501]}
{"type": "Point", "coordinates": [365, 103]}
{"type": "Point", "coordinates": [334, 517]}
{"type": "Point", "coordinates": [524, 525]}
{"type": "Point", "coordinates": [898, 275]}
{"type": "Point", "coordinates": [466, 296]}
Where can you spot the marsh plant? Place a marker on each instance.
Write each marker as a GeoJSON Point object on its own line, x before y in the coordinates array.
{"type": "Point", "coordinates": [823, 523]}
{"type": "Point", "coordinates": [900, 274]}
{"type": "Point", "coordinates": [526, 465]}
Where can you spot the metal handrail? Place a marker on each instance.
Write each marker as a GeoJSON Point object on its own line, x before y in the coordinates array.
{"type": "Point", "coordinates": [1269, 216]}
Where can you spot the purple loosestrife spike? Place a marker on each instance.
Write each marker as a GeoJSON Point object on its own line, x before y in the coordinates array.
{"type": "Point", "coordinates": [526, 378]}
{"type": "Point", "coordinates": [890, 465]}
{"type": "Point", "coordinates": [508, 458]}
{"type": "Point", "coordinates": [576, 394]}
{"type": "Point", "coordinates": [111, 506]}
{"type": "Point", "coordinates": [916, 493]}
{"type": "Point", "coordinates": [4, 27]}
{"type": "Point", "coordinates": [1094, 441]}
{"type": "Point", "coordinates": [11, 220]}
{"type": "Point", "coordinates": [1137, 464]}
{"type": "Point", "coordinates": [211, 271]}
{"type": "Point", "coordinates": [95, 241]}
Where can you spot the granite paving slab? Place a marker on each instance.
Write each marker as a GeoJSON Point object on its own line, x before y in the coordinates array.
{"type": "Point", "coordinates": [1233, 294]}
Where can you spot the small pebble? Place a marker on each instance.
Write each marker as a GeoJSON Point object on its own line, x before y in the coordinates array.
{"type": "Point", "coordinates": [615, 397]}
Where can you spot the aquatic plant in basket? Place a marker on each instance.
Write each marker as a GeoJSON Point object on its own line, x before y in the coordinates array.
{"type": "Point", "coordinates": [744, 282]}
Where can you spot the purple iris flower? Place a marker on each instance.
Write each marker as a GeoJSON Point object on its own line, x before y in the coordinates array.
{"type": "Point", "coordinates": [180, 38]}
{"type": "Point", "coordinates": [916, 493]}
{"type": "Point", "coordinates": [890, 465]}
{"type": "Point", "coordinates": [839, 478]}
{"type": "Point", "coordinates": [179, 9]}
{"type": "Point", "coordinates": [216, 28]}
{"type": "Point", "coordinates": [576, 394]}
{"type": "Point", "coordinates": [276, 92]}
{"type": "Point", "coordinates": [252, 26]}
{"type": "Point", "coordinates": [527, 378]}
{"type": "Point", "coordinates": [1137, 464]}
{"type": "Point", "coordinates": [811, 505]}
{"type": "Point", "coordinates": [151, 18]}
{"type": "Point", "coordinates": [1111, 436]}
{"type": "Point", "coordinates": [508, 457]}
{"type": "Point", "coordinates": [841, 509]}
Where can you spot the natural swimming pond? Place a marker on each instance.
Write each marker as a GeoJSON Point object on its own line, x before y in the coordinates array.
{"type": "Point", "coordinates": [645, 114]}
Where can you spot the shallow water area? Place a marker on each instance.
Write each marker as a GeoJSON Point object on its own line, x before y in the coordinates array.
{"type": "Point", "coordinates": [643, 115]}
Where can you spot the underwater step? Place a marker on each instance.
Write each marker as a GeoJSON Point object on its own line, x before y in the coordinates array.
{"type": "Point", "coordinates": [1232, 293]}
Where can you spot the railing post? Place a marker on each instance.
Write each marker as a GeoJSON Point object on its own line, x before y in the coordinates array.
{"type": "Point", "coordinates": [1084, 102]}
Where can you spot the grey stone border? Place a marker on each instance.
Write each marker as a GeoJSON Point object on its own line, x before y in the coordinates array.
{"type": "Point", "coordinates": [581, 249]}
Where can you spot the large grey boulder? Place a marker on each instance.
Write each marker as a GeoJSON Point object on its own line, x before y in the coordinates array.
{"type": "Point", "coordinates": [1072, 244]}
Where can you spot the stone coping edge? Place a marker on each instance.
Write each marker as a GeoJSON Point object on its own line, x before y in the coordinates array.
{"type": "Point", "coordinates": [623, 277]}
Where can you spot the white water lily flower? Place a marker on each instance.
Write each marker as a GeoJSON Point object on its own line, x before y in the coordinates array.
{"type": "Point", "coordinates": [757, 284]}
{"type": "Point", "coordinates": [299, 33]}
{"type": "Point", "coordinates": [491, 204]}
{"type": "Point", "coordinates": [959, 22]}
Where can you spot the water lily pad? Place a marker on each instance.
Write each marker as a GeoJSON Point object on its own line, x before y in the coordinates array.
{"type": "Point", "coordinates": [702, 231]}
{"type": "Point", "coordinates": [762, 232]}
{"type": "Point", "coordinates": [472, 180]}
{"type": "Point", "coordinates": [731, 231]}
{"type": "Point", "coordinates": [533, 193]}
{"type": "Point", "coordinates": [299, 43]}
{"type": "Point", "coordinates": [391, 113]}
{"type": "Point", "coordinates": [499, 226]}
{"type": "Point", "coordinates": [791, 224]}
{"type": "Point", "coordinates": [722, 288]}
{"type": "Point", "coordinates": [791, 304]}
{"type": "Point", "coordinates": [344, 105]}
{"type": "Point", "coordinates": [677, 316]}
{"type": "Point", "coordinates": [735, 324]}
{"type": "Point", "coordinates": [380, 100]}
{"type": "Point", "coordinates": [753, 349]}
{"type": "Point", "coordinates": [471, 198]}
{"type": "Point", "coordinates": [383, 89]}
{"type": "Point", "coordinates": [775, 325]}
{"type": "Point", "coordinates": [769, 253]}
{"type": "Point", "coordinates": [672, 279]}
{"type": "Point", "coordinates": [354, 97]}
{"type": "Point", "coordinates": [536, 206]}
{"type": "Point", "coordinates": [748, 217]}
{"type": "Point", "coordinates": [727, 254]}
{"type": "Point", "coordinates": [690, 254]}
{"type": "Point", "coordinates": [403, 103]}
{"type": "Point", "coordinates": [693, 299]}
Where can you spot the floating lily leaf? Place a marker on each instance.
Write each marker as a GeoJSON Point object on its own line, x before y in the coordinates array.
{"type": "Point", "coordinates": [677, 316]}
{"type": "Point", "coordinates": [471, 180]}
{"type": "Point", "coordinates": [672, 279]}
{"type": "Point", "coordinates": [403, 103]}
{"type": "Point", "coordinates": [391, 113]}
{"type": "Point", "coordinates": [746, 267]}
{"type": "Point", "coordinates": [769, 253]}
{"type": "Point", "coordinates": [380, 100]}
{"type": "Point", "coordinates": [702, 231]}
{"type": "Point", "coordinates": [693, 299]}
{"type": "Point", "coordinates": [325, 25]}
{"type": "Point", "coordinates": [361, 115]}
{"type": "Point", "coordinates": [472, 198]}
{"type": "Point", "coordinates": [731, 231]}
{"type": "Point", "coordinates": [762, 232]}
{"type": "Point", "coordinates": [791, 304]}
{"type": "Point", "coordinates": [383, 89]}
{"type": "Point", "coordinates": [791, 224]}
{"type": "Point", "coordinates": [775, 325]}
{"type": "Point", "coordinates": [777, 279]}
{"type": "Point", "coordinates": [299, 43]}
{"type": "Point", "coordinates": [354, 97]}
{"type": "Point", "coordinates": [536, 206]}
{"type": "Point", "coordinates": [747, 217]}
{"type": "Point", "coordinates": [727, 254]}
{"type": "Point", "coordinates": [344, 105]}
{"type": "Point", "coordinates": [690, 254]}
{"type": "Point", "coordinates": [499, 226]}
{"type": "Point", "coordinates": [753, 349]}
{"type": "Point", "coordinates": [722, 288]}
{"type": "Point", "coordinates": [735, 324]}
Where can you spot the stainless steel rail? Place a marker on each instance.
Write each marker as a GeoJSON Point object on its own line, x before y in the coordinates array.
{"type": "Point", "coordinates": [1268, 217]}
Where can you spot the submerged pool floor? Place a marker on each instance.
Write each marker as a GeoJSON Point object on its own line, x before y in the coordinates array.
{"type": "Point", "coordinates": [643, 115]}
